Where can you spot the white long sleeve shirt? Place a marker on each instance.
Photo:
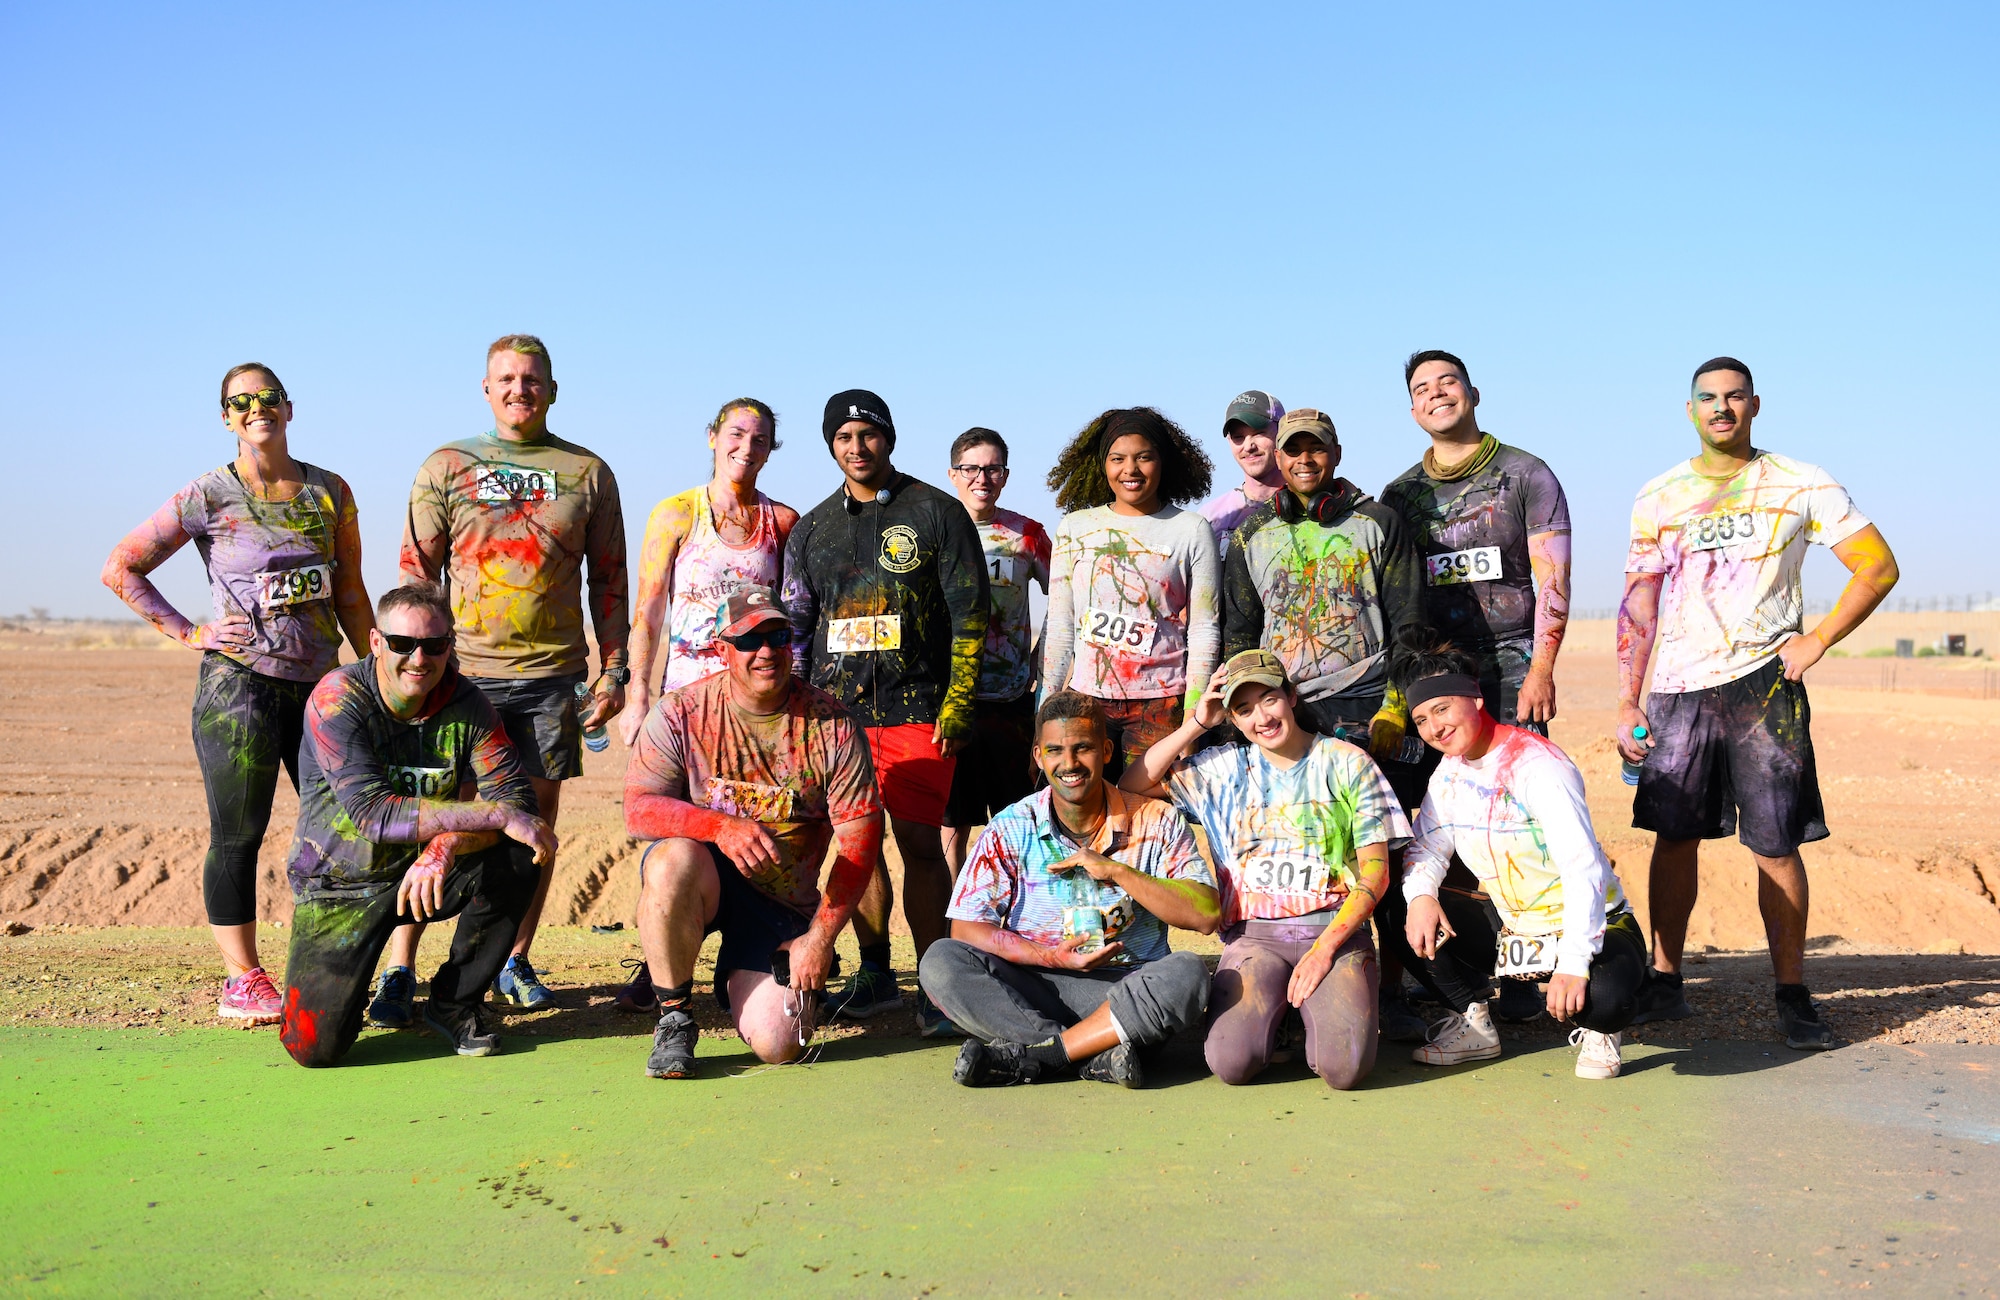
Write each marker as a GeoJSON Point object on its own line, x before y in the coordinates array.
{"type": "Point", "coordinates": [1134, 605]}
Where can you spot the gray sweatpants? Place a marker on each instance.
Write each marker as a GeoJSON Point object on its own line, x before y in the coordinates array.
{"type": "Point", "coordinates": [998, 1002]}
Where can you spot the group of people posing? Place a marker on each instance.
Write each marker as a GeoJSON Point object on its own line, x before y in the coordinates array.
{"type": "Point", "coordinates": [1347, 695]}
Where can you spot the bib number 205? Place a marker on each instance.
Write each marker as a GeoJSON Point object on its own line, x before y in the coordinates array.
{"type": "Point", "coordinates": [1118, 633]}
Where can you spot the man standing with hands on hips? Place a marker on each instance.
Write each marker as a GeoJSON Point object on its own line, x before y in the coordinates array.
{"type": "Point", "coordinates": [885, 583]}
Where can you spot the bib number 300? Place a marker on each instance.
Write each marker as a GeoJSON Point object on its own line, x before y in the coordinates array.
{"type": "Point", "coordinates": [294, 586]}
{"type": "Point", "coordinates": [1525, 954]}
{"type": "Point", "coordinates": [1118, 633]}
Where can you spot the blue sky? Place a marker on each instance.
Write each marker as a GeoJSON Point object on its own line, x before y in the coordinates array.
{"type": "Point", "coordinates": [1006, 216]}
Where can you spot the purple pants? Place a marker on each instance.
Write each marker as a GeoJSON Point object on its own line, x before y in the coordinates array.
{"type": "Point", "coordinates": [1247, 1003]}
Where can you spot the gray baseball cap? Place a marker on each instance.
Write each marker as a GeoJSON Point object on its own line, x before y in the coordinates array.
{"type": "Point", "coordinates": [1256, 408]}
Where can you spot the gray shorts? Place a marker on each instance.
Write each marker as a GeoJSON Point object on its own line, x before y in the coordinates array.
{"type": "Point", "coordinates": [541, 719]}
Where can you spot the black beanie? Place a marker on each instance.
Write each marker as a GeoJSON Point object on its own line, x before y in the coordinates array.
{"type": "Point", "coordinates": [856, 404]}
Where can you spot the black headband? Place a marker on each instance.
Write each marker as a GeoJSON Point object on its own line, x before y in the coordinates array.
{"type": "Point", "coordinates": [1425, 689]}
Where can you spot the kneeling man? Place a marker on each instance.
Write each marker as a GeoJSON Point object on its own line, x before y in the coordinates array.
{"type": "Point", "coordinates": [1058, 952]}
{"type": "Point", "coordinates": [741, 779]}
{"type": "Point", "coordinates": [390, 743]}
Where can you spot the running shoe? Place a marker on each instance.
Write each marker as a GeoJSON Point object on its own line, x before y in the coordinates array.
{"type": "Point", "coordinates": [1600, 1057]}
{"type": "Point", "coordinates": [519, 985]}
{"type": "Point", "coordinates": [1118, 1065]}
{"type": "Point", "coordinates": [1799, 1020]}
{"type": "Point", "coordinates": [673, 1045]}
{"type": "Point", "coordinates": [1399, 1024]}
{"type": "Point", "coordinates": [251, 998]}
{"type": "Point", "coordinates": [394, 1006]}
{"type": "Point", "coordinates": [994, 1065]}
{"type": "Point", "coordinates": [466, 1027]}
{"type": "Point", "coordinates": [637, 997]}
{"type": "Point", "coordinates": [869, 990]}
{"type": "Point", "coordinates": [1520, 1001]}
{"type": "Point", "coordinates": [1661, 997]}
{"type": "Point", "coordinates": [1460, 1038]}
{"type": "Point", "coordinates": [932, 1022]}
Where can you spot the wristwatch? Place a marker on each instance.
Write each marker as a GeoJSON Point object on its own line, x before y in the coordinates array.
{"type": "Point", "coordinates": [618, 676]}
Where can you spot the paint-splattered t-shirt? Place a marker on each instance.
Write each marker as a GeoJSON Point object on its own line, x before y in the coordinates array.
{"type": "Point", "coordinates": [1007, 882]}
{"type": "Point", "coordinates": [1731, 550]}
{"type": "Point", "coordinates": [706, 570]}
{"type": "Point", "coordinates": [1327, 599]}
{"type": "Point", "coordinates": [510, 526]}
{"type": "Point", "coordinates": [1134, 609]}
{"type": "Point", "coordinates": [1017, 554]}
{"type": "Point", "coordinates": [274, 562]}
{"type": "Point", "coordinates": [1285, 839]}
{"type": "Point", "coordinates": [889, 605]}
{"type": "Point", "coordinates": [798, 772]}
{"type": "Point", "coordinates": [363, 772]}
{"type": "Point", "coordinates": [1472, 536]}
{"type": "Point", "coordinates": [1226, 513]}
{"type": "Point", "coordinates": [1517, 818]}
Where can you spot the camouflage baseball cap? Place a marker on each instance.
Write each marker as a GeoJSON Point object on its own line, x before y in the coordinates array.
{"type": "Point", "coordinates": [1260, 666]}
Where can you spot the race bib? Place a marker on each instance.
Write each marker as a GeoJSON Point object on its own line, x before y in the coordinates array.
{"type": "Point", "coordinates": [422, 782]}
{"type": "Point", "coordinates": [864, 635]}
{"type": "Point", "coordinates": [1479, 564]}
{"type": "Point", "coordinates": [1004, 570]}
{"type": "Point", "coordinates": [750, 801]}
{"type": "Point", "coordinates": [1285, 873]}
{"type": "Point", "coordinates": [1722, 530]}
{"type": "Point", "coordinates": [294, 586]}
{"type": "Point", "coordinates": [511, 483]}
{"type": "Point", "coordinates": [1097, 925]}
{"type": "Point", "coordinates": [1523, 955]}
{"type": "Point", "coordinates": [1118, 633]}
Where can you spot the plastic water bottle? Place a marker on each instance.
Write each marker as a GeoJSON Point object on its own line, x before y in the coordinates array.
{"type": "Point", "coordinates": [594, 738]}
{"type": "Point", "coordinates": [1628, 769]}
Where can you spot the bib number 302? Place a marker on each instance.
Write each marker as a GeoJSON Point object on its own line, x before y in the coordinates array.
{"type": "Point", "coordinates": [1118, 633]}
{"type": "Point", "coordinates": [294, 586]}
{"type": "Point", "coordinates": [1521, 955]}
{"type": "Point", "coordinates": [1479, 564]}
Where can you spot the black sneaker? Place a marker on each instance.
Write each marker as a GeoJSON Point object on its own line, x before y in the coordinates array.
{"type": "Point", "coordinates": [1118, 1065]}
{"type": "Point", "coordinates": [637, 997]}
{"type": "Point", "coordinates": [1400, 1024]}
{"type": "Point", "coordinates": [994, 1065]}
{"type": "Point", "coordinates": [1799, 1020]}
{"type": "Point", "coordinates": [673, 1045]}
{"type": "Point", "coordinates": [465, 1027]}
{"type": "Point", "coordinates": [1519, 1002]}
{"type": "Point", "coordinates": [1661, 997]}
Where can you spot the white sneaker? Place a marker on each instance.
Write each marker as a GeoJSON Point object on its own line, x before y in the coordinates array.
{"type": "Point", "coordinates": [1456, 1038]}
{"type": "Point", "coordinates": [1599, 1058]}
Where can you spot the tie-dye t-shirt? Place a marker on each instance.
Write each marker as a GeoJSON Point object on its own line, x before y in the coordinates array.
{"type": "Point", "coordinates": [1007, 882]}
{"type": "Point", "coordinates": [798, 772]}
{"type": "Point", "coordinates": [274, 562]}
{"type": "Point", "coordinates": [363, 772]}
{"type": "Point", "coordinates": [1017, 553]}
{"type": "Point", "coordinates": [1285, 839]}
{"type": "Point", "coordinates": [1731, 550]}
{"type": "Point", "coordinates": [1328, 600]}
{"type": "Point", "coordinates": [510, 526]}
{"type": "Point", "coordinates": [706, 570]}
{"type": "Point", "coordinates": [1226, 513]}
{"type": "Point", "coordinates": [1471, 535]}
{"type": "Point", "coordinates": [1517, 818]}
{"type": "Point", "coordinates": [1134, 609]}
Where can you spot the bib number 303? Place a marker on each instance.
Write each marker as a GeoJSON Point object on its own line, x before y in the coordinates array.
{"type": "Point", "coordinates": [1479, 564]}
{"type": "Point", "coordinates": [1720, 531]}
{"type": "Point", "coordinates": [1525, 954]}
{"type": "Point", "coordinates": [1118, 633]}
{"type": "Point", "coordinates": [294, 586]}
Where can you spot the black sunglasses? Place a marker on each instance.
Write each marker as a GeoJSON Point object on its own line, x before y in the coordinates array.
{"type": "Point", "coordinates": [430, 645]}
{"type": "Point", "coordinates": [778, 638]}
{"type": "Point", "coordinates": [269, 398]}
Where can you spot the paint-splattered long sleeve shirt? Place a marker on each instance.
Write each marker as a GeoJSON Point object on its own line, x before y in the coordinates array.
{"type": "Point", "coordinates": [363, 773]}
{"type": "Point", "coordinates": [1134, 608]}
{"type": "Point", "coordinates": [1327, 599]}
{"type": "Point", "coordinates": [510, 527]}
{"type": "Point", "coordinates": [889, 604]}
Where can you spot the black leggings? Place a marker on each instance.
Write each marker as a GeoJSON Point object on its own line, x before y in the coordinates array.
{"type": "Point", "coordinates": [1462, 972]}
{"type": "Point", "coordinates": [245, 725]}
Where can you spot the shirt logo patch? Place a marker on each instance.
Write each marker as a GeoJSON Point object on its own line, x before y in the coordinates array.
{"type": "Point", "coordinates": [900, 552]}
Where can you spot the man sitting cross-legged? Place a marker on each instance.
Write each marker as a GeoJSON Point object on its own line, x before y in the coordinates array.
{"type": "Point", "coordinates": [740, 779]}
{"type": "Point", "coordinates": [1058, 955]}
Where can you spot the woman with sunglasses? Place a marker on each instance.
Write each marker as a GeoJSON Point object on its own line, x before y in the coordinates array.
{"type": "Point", "coordinates": [282, 547]}
{"type": "Point", "coordinates": [1134, 587]}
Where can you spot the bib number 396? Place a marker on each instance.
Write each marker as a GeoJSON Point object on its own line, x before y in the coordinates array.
{"type": "Point", "coordinates": [1479, 564]}
{"type": "Point", "coordinates": [1118, 633]}
{"type": "Point", "coordinates": [1525, 954]}
{"type": "Point", "coordinates": [294, 586]}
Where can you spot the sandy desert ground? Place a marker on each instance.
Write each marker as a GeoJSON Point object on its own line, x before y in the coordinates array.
{"type": "Point", "coordinates": [103, 823]}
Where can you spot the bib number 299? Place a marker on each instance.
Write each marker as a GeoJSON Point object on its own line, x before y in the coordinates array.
{"type": "Point", "coordinates": [294, 586]}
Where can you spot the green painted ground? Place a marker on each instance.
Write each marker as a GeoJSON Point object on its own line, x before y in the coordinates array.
{"type": "Point", "coordinates": [141, 1163]}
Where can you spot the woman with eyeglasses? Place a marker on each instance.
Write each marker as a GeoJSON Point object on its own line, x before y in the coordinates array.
{"type": "Point", "coordinates": [282, 547]}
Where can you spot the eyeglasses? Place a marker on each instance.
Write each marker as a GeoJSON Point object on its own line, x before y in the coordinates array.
{"type": "Point", "coordinates": [998, 472]}
{"type": "Point", "coordinates": [430, 645]}
{"type": "Point", "coordinates": [777, 638]}
{"type": "Point", "coordinates": [266, 397]}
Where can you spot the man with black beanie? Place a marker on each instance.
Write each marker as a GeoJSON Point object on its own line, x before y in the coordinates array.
{"type": "Point", "coordinates": [885, 583]}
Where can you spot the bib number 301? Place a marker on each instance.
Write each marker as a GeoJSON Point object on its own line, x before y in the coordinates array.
{"type": "Point", "coordinates": [1285, 873]}
{"type": "Point", "coordinates": [1118, 633]}
{"type": "Point", "coordinates": [1479, 564]}
{"type": "Point", "coordinates": [1521, 955]}
{"type": "Point", "coordinates": [294, 586]}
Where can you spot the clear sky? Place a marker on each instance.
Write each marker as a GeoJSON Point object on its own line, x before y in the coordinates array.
{"type": "Point", "coordinates": [1004, 215]}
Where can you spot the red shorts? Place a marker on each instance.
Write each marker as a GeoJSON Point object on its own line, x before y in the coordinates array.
{"type": "Point", "coordinates": [914, 777]}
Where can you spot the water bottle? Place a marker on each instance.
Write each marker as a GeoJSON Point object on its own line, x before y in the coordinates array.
{"type": "Point", "coordinates": [594, 738]}
{"type": "Point", "coordinates": [1627, 768]}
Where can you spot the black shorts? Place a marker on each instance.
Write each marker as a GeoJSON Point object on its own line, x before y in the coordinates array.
{"type": "Point", "coordinates": [541, 719]}
{"type": "Point", "coordinates": [1502, 669]}
{"type": "Point", "coordinates": [1734, 758]}
{"type": "Point", "coordinates": [751, 922]}
{"type": "Point", "coordinates": [997, 766]}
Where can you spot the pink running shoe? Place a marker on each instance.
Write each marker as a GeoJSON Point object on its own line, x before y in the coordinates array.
{"type": "Point", "coordinates": [251, 998]}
